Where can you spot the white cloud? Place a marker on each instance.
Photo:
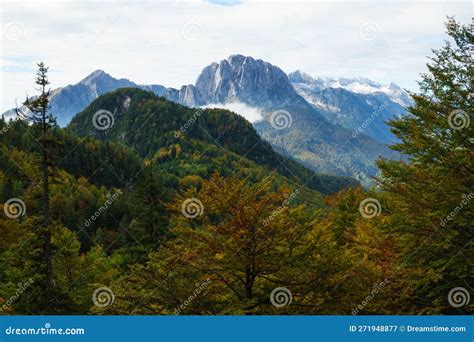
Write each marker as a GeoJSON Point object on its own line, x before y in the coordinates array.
{"type": "Point", "coordinates": [252, 114]}
{"type": "Point", "coordinates": [144, 41]}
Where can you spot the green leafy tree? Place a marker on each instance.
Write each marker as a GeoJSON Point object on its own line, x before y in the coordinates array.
{"type": "Point", "coordinates": [150, 224]}
{"type": "Point", "coordinates": [241, 240]}
{"type": "Point", "coordinates": [78, 274]}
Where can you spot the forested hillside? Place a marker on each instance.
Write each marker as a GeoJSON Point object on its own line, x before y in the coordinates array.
{"type": "Point", "coordinates": [148, 123]}
{"type": "Point", "coordinates": [144, 206]}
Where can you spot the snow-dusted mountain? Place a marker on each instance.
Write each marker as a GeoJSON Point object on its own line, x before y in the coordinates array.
{"type": "Point", "coordinates": [303, 82]}
{"type": "Point", "coordinates": [359, 104]}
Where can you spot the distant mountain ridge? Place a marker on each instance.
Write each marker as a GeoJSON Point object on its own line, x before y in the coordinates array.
{"type": "Point", "coordinates": [67, 101]}
{"type": "Point", "coordinates": [325, 130]}
{"type": "Point", "coordinates": [360, 85]}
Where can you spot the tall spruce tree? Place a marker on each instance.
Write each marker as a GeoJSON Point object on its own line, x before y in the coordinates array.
{"type": "Point", "coordinates": [430, 195]}
{"type": "Point", "coordinates": [35, 110]}
{"type": "Point", "coordinates": [150, 226]}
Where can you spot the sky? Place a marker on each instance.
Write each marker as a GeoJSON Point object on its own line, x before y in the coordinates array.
{"type": "Point", "coordinates": [169, 42]}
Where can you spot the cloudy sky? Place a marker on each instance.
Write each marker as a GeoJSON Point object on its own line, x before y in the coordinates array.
{"type": "Point", "coordinates": [169, 42]}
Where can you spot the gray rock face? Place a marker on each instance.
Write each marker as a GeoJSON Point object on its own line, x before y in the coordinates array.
{"type": "Point", "coordinates": [312, 135]}
{"type": "Point", "coordinates": [244, 79]}
{"type": "Point", "coordinates": [238, 78]}
{"type": "Point", "coordinates": [186, 96]}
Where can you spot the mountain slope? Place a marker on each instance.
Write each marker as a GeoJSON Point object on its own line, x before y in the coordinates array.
{"type": "Point", "coordinates": [309, 136]}
{"type": "Point", "coordinates": [365, 113]}
{"type": "Point", "coordinates": [149, 123]}
{"type": "Point", "coordinates": [67, 101]}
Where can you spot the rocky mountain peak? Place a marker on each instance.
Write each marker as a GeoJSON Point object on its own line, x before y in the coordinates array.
{"type": "Point", "coordinates": [94, 76]}
{"type": "Point", "coordinates": [242, 78]}
{"type": "Point", "coordinates": [237, 60]}
{"type": "Point", "coordinates": [299, 76]}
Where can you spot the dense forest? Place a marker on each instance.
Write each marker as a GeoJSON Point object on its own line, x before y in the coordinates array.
{"type": "Point", "coordinates": [144, 206]}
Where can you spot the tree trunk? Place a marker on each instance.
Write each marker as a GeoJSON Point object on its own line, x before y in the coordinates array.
{"type": "Point", "coordinates": [47, 249]}
{"type": "Point", "coordinates": [249, 280]}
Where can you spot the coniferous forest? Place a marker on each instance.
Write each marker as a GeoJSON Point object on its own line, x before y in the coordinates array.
{"type": "Point", "coordinates": [142, 206]}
